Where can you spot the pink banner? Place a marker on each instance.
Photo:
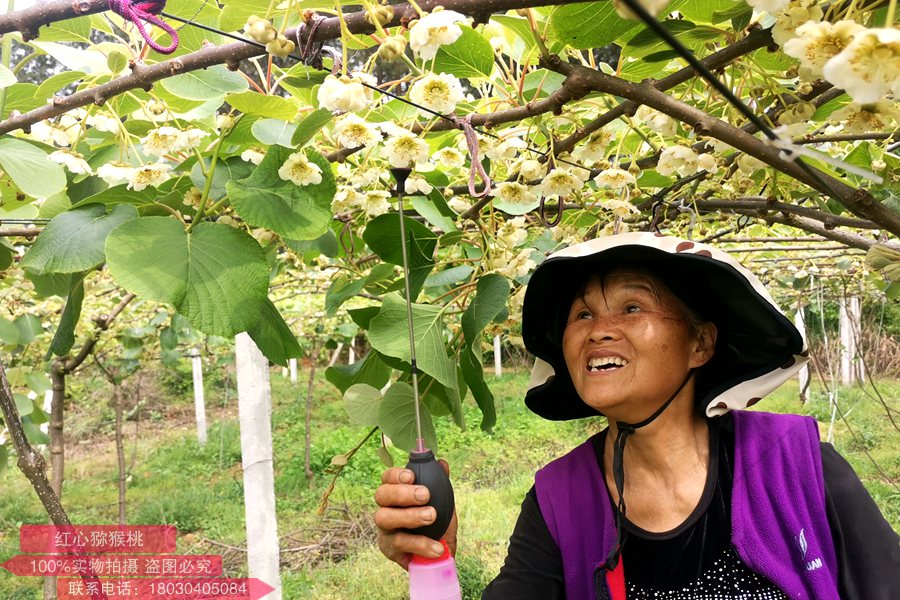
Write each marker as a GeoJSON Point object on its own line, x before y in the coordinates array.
{"type": "Point", "coordinates": [164, 589]}
{"type": "Point", "coordinates": [109, 565]}
{"type": "Point", "coordinates": [87, 539]}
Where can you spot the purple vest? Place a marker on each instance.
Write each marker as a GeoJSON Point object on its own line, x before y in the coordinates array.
{"type": "Point", "coordinates": [778, 521]}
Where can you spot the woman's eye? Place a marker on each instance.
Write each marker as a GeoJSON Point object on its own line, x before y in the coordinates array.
{"type": "Point", "coordinates": [583, 314]}
{"type": "Point", "coordinates": [632, 308]}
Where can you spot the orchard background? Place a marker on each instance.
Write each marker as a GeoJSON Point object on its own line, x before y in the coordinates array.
{"type": "Point", "coordinates": [210, 189]}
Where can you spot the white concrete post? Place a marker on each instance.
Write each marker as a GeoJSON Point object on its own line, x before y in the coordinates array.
{"type": "Point", "coordinates": [48, 402]}
{"type": "Point", "coordinates": [255, 414]}
{"type": "Point", "coordinates": [800, 323]}
{"type": "Point", "coordinates": [851, 363]}
{"type": "Point", "coordinates": [292, 363]}
{"type": "Point", "coordinates": [199, 402]}
{"type": "Point", "coordinates": [336, 354]}
{"type": "Point", "coordinates": [498, 364]}
{"type": "Point", "coordinates": [351, 354]}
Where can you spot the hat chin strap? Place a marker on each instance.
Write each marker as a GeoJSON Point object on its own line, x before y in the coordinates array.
{"type": "Point", "coordinates": [623, 431]}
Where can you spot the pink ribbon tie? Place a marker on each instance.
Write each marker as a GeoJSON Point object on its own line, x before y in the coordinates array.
{"type": "Point", "coordinates": [139, 11]}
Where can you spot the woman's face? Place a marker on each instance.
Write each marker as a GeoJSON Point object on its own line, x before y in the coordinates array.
{"type": "Point", "coordinates": [628, 344]}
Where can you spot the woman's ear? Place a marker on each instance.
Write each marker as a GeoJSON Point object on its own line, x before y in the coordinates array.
{"type": "Point", "coordinates": [706, 344]}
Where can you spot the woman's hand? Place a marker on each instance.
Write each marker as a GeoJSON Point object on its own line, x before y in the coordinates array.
{"type": "Point", "coordinates": [402, 506]}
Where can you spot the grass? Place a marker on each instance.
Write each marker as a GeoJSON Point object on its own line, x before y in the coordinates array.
{"type": "Point", "coordinates": [175, 480]}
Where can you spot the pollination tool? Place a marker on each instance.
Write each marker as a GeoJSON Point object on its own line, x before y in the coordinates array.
{"type": "Point", "coordinates": [421, 459]}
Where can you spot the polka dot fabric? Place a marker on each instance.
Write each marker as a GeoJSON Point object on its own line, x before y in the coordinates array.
{"type": "Point", "coordinates": [727, 579]}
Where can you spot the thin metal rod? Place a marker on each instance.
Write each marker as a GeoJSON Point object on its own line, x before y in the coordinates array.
{"type": "Point", "coordinates": [420, 442]}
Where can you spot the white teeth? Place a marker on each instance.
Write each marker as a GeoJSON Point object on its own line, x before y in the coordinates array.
{"type": "Point", "coordinates": [596, 364]}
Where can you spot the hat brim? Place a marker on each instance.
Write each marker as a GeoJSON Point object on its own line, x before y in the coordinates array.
{"type": "Point", "coordinates": [753, 339]}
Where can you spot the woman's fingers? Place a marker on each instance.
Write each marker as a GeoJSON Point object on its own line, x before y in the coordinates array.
{"type": "Point", "coordinates": [389, 519]}
{"type": "Point", "coordinates": [399, 545]}
{"type": "Point", "coordinates": [389, 494]}
{"type": "Point", "coordinates": [396, 475]}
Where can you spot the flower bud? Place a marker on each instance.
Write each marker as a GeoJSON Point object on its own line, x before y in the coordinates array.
{"type": "Point", "coordinates": [392, 48]}
{"type": "Point", "coordinates": [260, 29]}
{"type": "Point", "coordinates": [380, 13]}
{"type": "Point", "coordinates": [225, 123]}
{"type": "Point", "coordinates": [280, 46]}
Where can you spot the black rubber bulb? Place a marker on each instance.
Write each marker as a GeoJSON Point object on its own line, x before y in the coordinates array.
{"type": "Point", "coordinates": [430, 474]}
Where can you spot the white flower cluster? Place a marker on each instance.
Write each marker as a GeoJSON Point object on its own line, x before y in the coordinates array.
{"type": "Point", "coordinates": [684, 161]}
{"type": "Point", "coordinates": [300, 170]}
{"type": "Point", "coordinates": [372, 202]}
{"type": "Point", "coordinates": [865, 62]}
{"type": "Point", "coordinates": [346, 94]}
{"type": "Point", "coordinates": [433, 31]}
{"type": "Point", "coordinates": [439, 92]}
{"type": "Point", "coordinates": [167, 140]}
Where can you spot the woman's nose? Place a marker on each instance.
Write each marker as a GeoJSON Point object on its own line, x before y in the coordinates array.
{"type": "Point", "coordinates": [604, 328]}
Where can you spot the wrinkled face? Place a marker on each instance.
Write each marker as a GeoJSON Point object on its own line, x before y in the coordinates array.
{"type": "Point", "coordinates": [628, 344]}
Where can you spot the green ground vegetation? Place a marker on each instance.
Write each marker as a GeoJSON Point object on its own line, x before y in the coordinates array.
{"type": "Point", "coordinates": [172, 479]}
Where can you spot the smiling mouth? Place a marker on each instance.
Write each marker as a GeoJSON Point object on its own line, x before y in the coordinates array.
{"type": "Point", "coordinates": [606, 363]}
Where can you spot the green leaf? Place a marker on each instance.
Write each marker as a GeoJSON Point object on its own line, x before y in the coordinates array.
{"type": "Point", "coordinates": [490, 298]}
{"type": "Point", "coordinates": [205, 84]}
{"type": "Point", "coordinates": [73, 241]}
{"type": "Point", "coordinates": [382, 235]}
{"type": "Point", "coordinates": [216, 276]}
{"type": "Point", "coordinates": [341, 289]}
{"type": "Point", "coordinates": [370, 370]}
{"type": "Point", "coordinates": [29, 327]}
{"type": "Point", "coordinates": [397, 418]}
{"type": "Point", "coordinates": [168, 338]}
{"type": "Point", "coordinates": [326, 244]}
{"type": "Point", "coordinates": [53, 84]}
{"type": "Point", "coordinates": [388, 333]}
{"type": "Point", "coordinates": [50, 284]}
{"type": "Point", "coordinates": [33, 433]}
{"type": "Point", "coordinates": [4, 458]}
{"type": "Point", "coordinates": [433, 213]}
{"type": "Point", "coordinates": [274, 337]}
{"type": "Point", "coordinates": [469, 56]}
{"type": "Point", "coordinates": [310, 126]}
{"type": "Point", "coordinates": [704, 10]}
{"type": "Point", "coordinates": [589, 24]}
{"type": "Point", "coordinates": [38, 382]}
{"type": "Point", "coordinates": [449, 276]}
{"type": "Point", "coordinates": [20, 97]}
{"type": "Point", "coordinates": [272, 132]}
{"type": "Point", "coordinates": [473, 374]}
{"type": "Point", "coordinates": [64, 338]}
{"type": "Point", "coordinates": [24, 406]}
{"type": "Point", "coordinates": [363, 316]}
{"type": "Point", "coordinates": [30, 168]}
{"type": "Point", "coordinates": [361, 401]}
{"type": "Point", "coordinates": [7, 77]}
{"type": "Point", "coordinates": [254, 103]}
{"type": "Point", "coordinates": [296, 212]}
{"type": "Point", "coordinates": [9, 333]}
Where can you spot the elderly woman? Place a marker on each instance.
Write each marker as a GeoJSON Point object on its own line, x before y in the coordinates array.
{"type": "Point", "coordinates": [685, 495]}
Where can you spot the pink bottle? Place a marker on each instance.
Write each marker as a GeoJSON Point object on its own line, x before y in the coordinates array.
{"type": "Point", "coordinates": [434, 578]}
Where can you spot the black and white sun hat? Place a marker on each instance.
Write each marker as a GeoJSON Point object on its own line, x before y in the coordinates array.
{"type": "Point", "coordinates": [757, 347]}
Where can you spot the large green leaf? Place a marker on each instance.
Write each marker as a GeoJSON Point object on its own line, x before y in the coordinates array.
{"type": "Point", "coordinates": [64, 338]}
{"type": "Point", "coordinates": [274, 337]}
{"type": "Point", "coordinates": [703, 10]}
{"type": "Point", "coordinates": [29, 327]}
{"type": "Point", "coordinates": [73, 241]}
{"type": "Point", "coordinates": [433, 212]}
{"type": "Point", "coordinates": [296, 212]}
{"type": "Point", "coordinates": [490, 298]}
{"type": "Point", "coordinates": [589, 24]}
{"type": "Point", "coordinates": [254, 103]}
{"type": "Point", "coordinates": [310, 126]}
{"type": "Point", "coordinates": [216, 276]}
{"type": "Point", "coordinates": [272, 132]}
{"type": "Point", "coordinates": [382, 234]}
{"type": "Point", "coordinates": [30, 169]}
{"type": "Point", "coordinates": [473, 374]}
{"type": "Point", "coordinates": [469, 56]}
{"type": "Point", "coordinates": [361, 401]}
{"type": "Point", "coordinates": [389, 334]}
{"type": "Point", "coordinates": [342, 289]}
{"type": "Point", "coordinates": [9, 333]}
{"type": "Point", "coordinates": [7, 77]}
{"type": "Point", "coordinates": [370, 370]}
{"type": "Point", "coordinates": [397, 418]}
{"type": "Point", "coordinates": [57, 82]}
{"type": "Point", "coordinates": [205, 84]}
